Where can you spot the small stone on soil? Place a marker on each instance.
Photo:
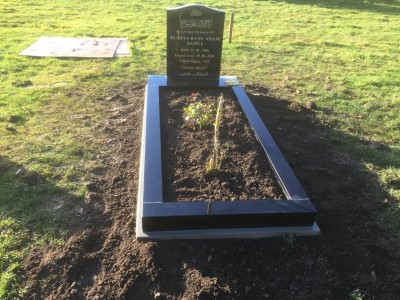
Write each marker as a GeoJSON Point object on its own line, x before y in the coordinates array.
{"type": "Point", "coordinates": [252, 183]}
{"type": "Point", "coordinates": [116, 179]}
{"type": "Point", "coordinates": [225, 185]}
{"type": "Point", "coordinates": [73, 292]}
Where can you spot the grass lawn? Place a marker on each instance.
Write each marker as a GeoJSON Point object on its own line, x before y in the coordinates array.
{"type": "Point", "coordinates": [343, 55]}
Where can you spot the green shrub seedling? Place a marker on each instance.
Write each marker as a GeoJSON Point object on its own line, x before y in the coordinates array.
{"type": "Point", "coordinates": [214, 163]}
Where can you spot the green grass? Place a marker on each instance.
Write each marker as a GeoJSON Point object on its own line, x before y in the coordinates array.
{"type": "Point", "coordinates": [12, 248]}
{"type": "Point", "coordinates": [343, 55]}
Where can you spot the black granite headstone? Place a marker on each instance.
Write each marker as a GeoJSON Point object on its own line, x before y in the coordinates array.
{"type": "Point", "coordinates": [194, 45]}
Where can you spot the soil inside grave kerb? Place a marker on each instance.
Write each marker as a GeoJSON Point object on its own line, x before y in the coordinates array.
{"type": "Point", "coordinates": [186, 150]}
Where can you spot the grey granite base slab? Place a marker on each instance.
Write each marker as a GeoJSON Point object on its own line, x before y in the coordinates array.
{"type": "Point", "coordinates": [234, 233]}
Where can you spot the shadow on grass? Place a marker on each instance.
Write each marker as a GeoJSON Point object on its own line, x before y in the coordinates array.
{"type": "Point", "coordinates": [40, 213]}
{"type": "Point", "coordinates": [355, 251]}
{"type": "Point", "coordinates": [30, 199]}
{"type": "Point", "coordinates": [390, 7]}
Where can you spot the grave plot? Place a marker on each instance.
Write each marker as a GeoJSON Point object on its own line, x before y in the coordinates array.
{"type": "Point", "coordinates": [251, 201]}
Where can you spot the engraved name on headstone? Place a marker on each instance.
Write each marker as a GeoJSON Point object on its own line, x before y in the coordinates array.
{"type": "Point", "coordinates": [194, 45]}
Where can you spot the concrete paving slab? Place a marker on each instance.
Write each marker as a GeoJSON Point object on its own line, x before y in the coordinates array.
{"type": "Point", "coordinates": [78, 47]}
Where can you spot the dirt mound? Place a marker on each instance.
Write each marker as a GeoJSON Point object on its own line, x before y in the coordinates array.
{"type": "Point", "coordinates": [102, 259]}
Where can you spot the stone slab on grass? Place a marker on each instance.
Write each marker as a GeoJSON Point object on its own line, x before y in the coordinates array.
{"type": "Point", "coordinates": [78, 47]}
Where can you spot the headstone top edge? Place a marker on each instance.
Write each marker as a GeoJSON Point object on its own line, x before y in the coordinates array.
{"type": "Point", "coordinates": [195, 5]}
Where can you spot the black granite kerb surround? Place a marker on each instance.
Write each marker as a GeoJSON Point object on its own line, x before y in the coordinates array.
{"type": "Point", "coordinates": [194, 45]}
{"type": "Point", "coordinates": [157, 214]}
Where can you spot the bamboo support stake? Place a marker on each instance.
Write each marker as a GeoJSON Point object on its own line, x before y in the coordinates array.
{"type": "Point", "coordinates": [231, 27]}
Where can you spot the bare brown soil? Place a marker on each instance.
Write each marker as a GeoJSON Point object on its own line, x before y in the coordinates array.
{"type": "Point", "coordinates": [244, 173]}
{"type": "Point", "coordinates": [102, 259]}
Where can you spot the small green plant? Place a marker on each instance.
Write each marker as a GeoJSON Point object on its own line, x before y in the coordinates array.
{"type": "Point", "coordinates": [289, 238]}
{"type": "Point", "coordinates": [200, 113]}
{"type": "Point", "coordinates": [356, 295]}
{"type": "Point", "coordinates": [215, 161]}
